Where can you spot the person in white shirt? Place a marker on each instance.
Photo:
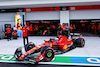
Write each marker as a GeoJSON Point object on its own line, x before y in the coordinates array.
{"type": "Point", "coordinates": [14, 28]}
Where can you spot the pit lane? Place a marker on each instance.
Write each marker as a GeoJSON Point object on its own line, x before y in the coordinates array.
{"type": "Point", "coordinates": [91, 49]}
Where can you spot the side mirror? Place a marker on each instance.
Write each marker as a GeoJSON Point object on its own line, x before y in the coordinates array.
{"type": "Point", "coordinates": [46, 41]}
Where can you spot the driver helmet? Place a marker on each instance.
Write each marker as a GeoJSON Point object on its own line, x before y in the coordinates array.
{"type": "Point", "coordinates": [56, 38]}
{"type": "Point", "coordinates": [59, 36]}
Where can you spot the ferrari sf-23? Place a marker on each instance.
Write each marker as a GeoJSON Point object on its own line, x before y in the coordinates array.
{"type": "Point", "coordinates": [47, 50]}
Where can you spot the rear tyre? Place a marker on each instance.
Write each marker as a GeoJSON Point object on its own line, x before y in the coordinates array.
{"type": "Point", "coordinates": [80, 42]}
{"type": "Point", "coordinates": [29, 46]}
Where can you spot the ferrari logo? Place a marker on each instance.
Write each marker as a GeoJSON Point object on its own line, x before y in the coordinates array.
{"type": "Point", "coordinates": [65, 47]}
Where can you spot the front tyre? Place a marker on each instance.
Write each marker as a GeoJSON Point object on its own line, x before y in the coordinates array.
{"type": "Point", "coordinates": [48, 54]}
{"type": "Point", "coordinates": [18, 53]}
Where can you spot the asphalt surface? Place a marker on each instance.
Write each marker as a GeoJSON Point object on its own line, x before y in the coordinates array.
{"type": "Point", "coordinates": [32, 65]}
{"type": "Point", "coordinates": [91, 49]}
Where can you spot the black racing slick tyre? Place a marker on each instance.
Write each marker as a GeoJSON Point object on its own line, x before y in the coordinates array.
{"type": "Point", "coordinates": [80, 42]}
{"type": "Point", "coordinates": [48, 54]}
{"type": "Point", "coordinates": [29, 46]}
{"type": "Point", "coordinates": [18, 53]}
{"type": "Point", "coordinates": [43, 49]}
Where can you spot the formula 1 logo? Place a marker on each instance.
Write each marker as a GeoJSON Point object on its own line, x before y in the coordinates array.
{"type": "Point", "coordinates": [93, 60]}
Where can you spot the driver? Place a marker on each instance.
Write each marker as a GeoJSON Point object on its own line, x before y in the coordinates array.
{"type": "Point", "coordinates": [53, 40]}
{"type": "Point", "coordinates": [56, 39]}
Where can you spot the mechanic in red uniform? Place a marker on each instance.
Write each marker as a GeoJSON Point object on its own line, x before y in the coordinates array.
{"type": "Point", "coordinates": [63, 28]}
{"type": "Point", "coordinates": [99, 29]}
{"type": "Point", "coordinates": [67, 30]}
{"type": "Point", "coordinates": [59, 29]}
{"type": "Point", "coordinates": [44, 32]}
{"type": "Point", "coordinates": [31, 29]}
{"type": "Point", "coordinates": [25, 33]}
{"type": "Point", "coordinates": [73, 29]}
{"type": "Point", "coordinates": [8, 32]}
{"type": "Point", "coordinates": [53, 29]}
{"type": "Point", "coordinates": [14, 34]}
{"type": "Point", "coordinates": [59, 25]}
{"type": "Point", "coordinates": [36, 29]}
{"type": "Point", "coordinates": [92, 28]}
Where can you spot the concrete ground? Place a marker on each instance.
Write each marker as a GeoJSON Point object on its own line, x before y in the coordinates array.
{"type": "Point", "coordinates": [91, 49]}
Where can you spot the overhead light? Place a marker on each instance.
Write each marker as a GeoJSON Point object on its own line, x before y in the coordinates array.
{"type": "Point", "coordinates": [45, 22]}
{"type": "Point", "coordinates": [83, 21]}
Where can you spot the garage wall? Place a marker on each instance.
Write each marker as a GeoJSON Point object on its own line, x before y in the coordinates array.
{"type": "Point", "coordinates": [64, 17]}
{"type": "Point", "coordinates": [84, 14]}
{"type": "Point", "coordinates": [6, 18]}
{"type": "Point", "coordinates": [51, 15]}
{"type": "Point", "coordinates": [3, 23]}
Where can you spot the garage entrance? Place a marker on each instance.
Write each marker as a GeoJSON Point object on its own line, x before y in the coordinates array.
{"type": "Point", "coordinates": [39, 26]}
{"type": "Point", "coordinates": [86, 27]}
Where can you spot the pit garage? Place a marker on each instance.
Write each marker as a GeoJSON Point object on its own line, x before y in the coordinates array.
{"type": "Point", "coordinates": [86, 21]}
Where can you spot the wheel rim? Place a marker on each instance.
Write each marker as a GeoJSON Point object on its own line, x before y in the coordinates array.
{"type": "Point", "coordinates": [83, 43]}
{"type": "Point", "coordinates": [17, 55]}
{"type": "Point", "coordinates": [49, 54]}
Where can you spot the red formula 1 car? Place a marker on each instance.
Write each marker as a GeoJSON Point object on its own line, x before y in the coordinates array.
{"type": "Point", "coordinates": [46, 51]}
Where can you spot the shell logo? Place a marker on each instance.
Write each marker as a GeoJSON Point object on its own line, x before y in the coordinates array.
{"type": "Point", "coordinates": [50, 45]}
{"type": "Point", "coordinates": [34, 48]}
{"type": "Point", "coordinates": [65, 47]}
